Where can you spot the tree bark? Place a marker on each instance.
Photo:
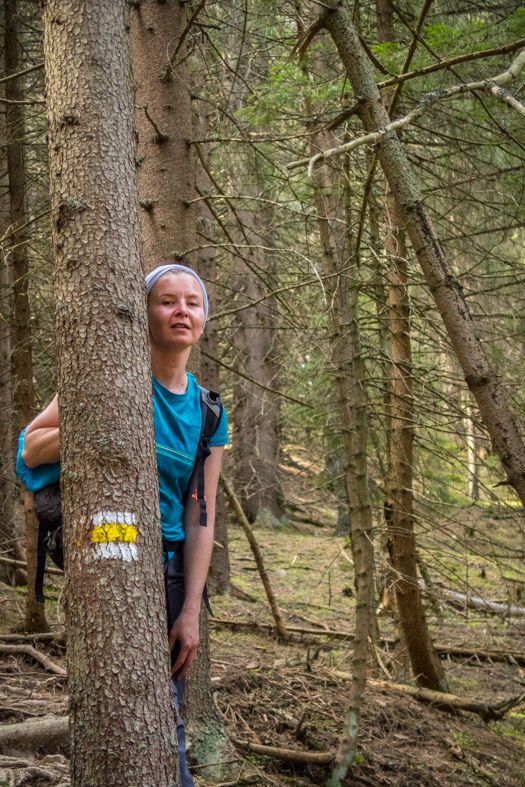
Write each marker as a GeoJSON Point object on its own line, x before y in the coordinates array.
{"type": "Point", "coordinates": [24, 394]}
{"type": "Point", "coordinates": [219, 574]}
{"type": "Point", "coordinates": [166, 173]}
{"type": "Point", "coordinates": [344, 342]}
{"type": "Point", "coordinates": [445, 288]}
{"type": "Point", "coordinates": [425, 663]}
{"type": "Point", "coordinates": [169, 233]}
{"type": "Point", "coordinates": [7, 486]}
{"type": "Point", "coordinates": [122, 725]}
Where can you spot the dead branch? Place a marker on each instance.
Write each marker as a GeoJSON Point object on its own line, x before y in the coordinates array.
{"type": "Point", "coordinates": [481, 605]}
{"type": "Point", "coordinates": [50, 734]}
{"type": "Point", "coordinates": [493, 86]}
{"type": "Point", "coordinates": [271, 628]}
{"type": "Point", "coordinates": [504, 656]}
{"type": "Point", "coordinates": [37, 655]}
{"type": "Point", "coordinates": [254, 546]}
{"type": "Point", "coordinates": [6, 561]}
{"type": "Point", "coordinates": [251, 380]}
{"type": "Point", "coordinates": [166, 74]}
{"type": "Point", "coordinates": [48, 635]}
{"type": "Point", "coordinates": [22, 73]}
{"type": "Point", "coordinates": [455, 61]}
{"type": "Point", "coordinates": [444, 701]}
{"type": "Point", "coordinates": [289, 755]}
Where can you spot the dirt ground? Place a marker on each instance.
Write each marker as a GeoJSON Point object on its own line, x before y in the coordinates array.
{"type": "Point", "coordinates": [285, 695]}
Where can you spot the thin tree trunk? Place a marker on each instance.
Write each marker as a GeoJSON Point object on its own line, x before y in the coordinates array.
{"type": "Point", "coordinates": [445, 288]}
{"type": "Point", "coordinates": [351, 395]}
{"type": "Point", "coordinates": [256, 413]}
{"type": "Point", "coordinates": [24, 394]}
{"type": "Point", "coordinates": [219, 574]}
{"type": "Point", "coordinates": [426, 665]}
{"type": "Point", "coordinates": [169, 233]}
{"type": "Point", "coordinates": [7, 487]}
{"type": "Point", "coordinates": [122, 724]}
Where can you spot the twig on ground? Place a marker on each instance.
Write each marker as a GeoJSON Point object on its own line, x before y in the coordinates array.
{"type": "Point", "coordinates": [289, 755]}
{"type": "Point", "coordinates": [37, 655]}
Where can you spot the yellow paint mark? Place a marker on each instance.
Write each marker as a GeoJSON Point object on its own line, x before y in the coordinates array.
{"type": "Point", "coordinates": [113, 531]}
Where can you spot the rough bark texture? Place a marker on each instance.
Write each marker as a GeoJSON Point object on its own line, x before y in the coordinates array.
{"type": "Point", "coordinates": [169, 224]}
{"type": "Point", "coordinates": [24, 394]}
{"type": "Point", "coordinates": [443, 285]}
{"type": "Point", "coordinates": [165, 164]}
{"type": "Point", "coordinates": [122, 725]}
{"type": "Point", "coordinates": [219, 573]}
{"type": "Point", "coordinates": [425, 663]}
{"type": "Point", "coordinates": [207, 740]}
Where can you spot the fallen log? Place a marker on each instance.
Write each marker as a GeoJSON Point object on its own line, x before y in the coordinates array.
{"type": "Point", "coordinates": [444, 701]}
{"type": "Point", "coordinates": [218, 622]}
{"type": "Point", "coordinates": [481, 605]}
{"type": "Point", "coordinates": [6, 561]}
{"type": "Point", "coordinates": [505, 656]}
{"type": "Point", "coordinates": [49, 734]}
{"type": "Point", "coordinates": [37, 655]}
{"type": "Point", "coordinates": [289, 755]}
{"type": "Point", "coordinates": [48, 635]}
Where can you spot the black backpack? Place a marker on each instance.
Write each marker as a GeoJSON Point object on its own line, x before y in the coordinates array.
{"type": "Point", "coordinates": [47, 502]}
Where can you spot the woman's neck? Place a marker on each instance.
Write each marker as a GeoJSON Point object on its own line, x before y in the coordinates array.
{"type": "Point", "coordinates": [170, 369]}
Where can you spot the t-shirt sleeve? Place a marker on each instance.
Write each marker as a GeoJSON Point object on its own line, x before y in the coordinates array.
{"type": "Point", "coordinates": [221, 435]}
{"type": "Point", "coordinates": [37, 477]}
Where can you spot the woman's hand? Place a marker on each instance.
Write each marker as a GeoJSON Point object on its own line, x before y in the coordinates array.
{"type": "Point", "coordinates": [185, 631]}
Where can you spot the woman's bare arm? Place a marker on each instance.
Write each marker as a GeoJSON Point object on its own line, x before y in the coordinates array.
{"type": "Point", "coordinates": [41, 438]}
{"type": "Point", "coordinates": [197, 554]}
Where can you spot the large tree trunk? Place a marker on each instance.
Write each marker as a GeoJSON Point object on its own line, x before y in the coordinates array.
{"type": "Point", "coordinates": [24, 395]}
{"type": "Point", "coordinates": [122, 725]}
{"type": "Point", "coordinates": [169, 224]}
{"type": "Point", "coordinates": [444, 286]}
{"type": "Point", "coordinates": [426, 665]}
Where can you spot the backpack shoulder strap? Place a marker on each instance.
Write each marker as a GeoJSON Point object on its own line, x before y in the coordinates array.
{"type": "Point", "coordinates": [211, 407]}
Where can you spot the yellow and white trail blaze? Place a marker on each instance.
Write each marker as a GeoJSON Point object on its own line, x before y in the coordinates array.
{"type": "Point", "coordinates": [114, 534]}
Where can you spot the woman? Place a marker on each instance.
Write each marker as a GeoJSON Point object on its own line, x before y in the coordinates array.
{"type": "Point", "coordinates": [177, 312]}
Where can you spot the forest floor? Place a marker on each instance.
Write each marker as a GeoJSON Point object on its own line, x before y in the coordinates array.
{"type": "Point", "coordinates": [264, 687]}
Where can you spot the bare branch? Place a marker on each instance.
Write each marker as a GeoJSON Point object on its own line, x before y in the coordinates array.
{"type": "Point", "coordinates": [493, 86]}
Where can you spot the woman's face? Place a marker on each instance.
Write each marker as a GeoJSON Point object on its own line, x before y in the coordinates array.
{"type": "Point", "coordinates": [175, 312]}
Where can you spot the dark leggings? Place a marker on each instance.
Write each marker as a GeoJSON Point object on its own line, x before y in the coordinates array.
{"type": "Point", "coordinates": [174, 583]}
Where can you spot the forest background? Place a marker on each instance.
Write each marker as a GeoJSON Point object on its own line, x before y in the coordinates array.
{"type": "Point", "coordinates": [349, 410]}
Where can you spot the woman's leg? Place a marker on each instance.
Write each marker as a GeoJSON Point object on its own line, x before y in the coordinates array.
{"type": "Point", "coordinates": [174, 581]}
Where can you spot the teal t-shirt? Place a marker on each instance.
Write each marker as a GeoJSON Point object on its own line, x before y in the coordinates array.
{"type": "Point", "coordinates": [178, 421]}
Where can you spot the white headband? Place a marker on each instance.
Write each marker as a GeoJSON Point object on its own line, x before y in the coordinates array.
{"type": "Point", "coordinates": [155, 275]}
